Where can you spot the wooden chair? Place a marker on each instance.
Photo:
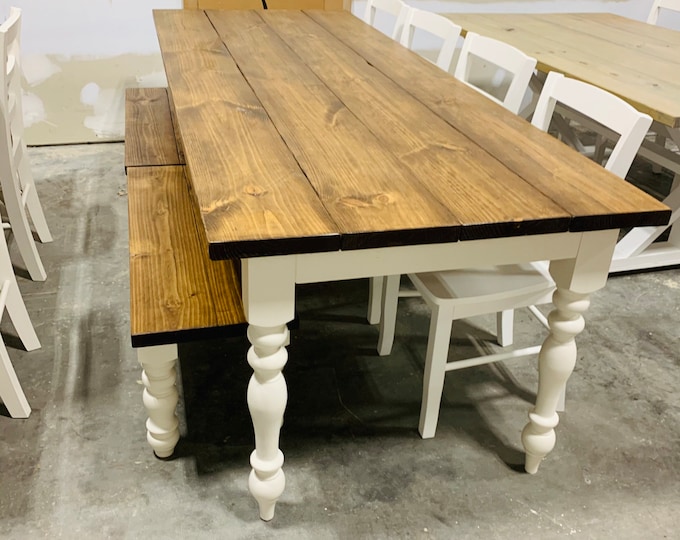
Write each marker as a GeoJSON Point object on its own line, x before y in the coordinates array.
{"type": "Point", "coordinates": [453, 295]}
{"type": "Point", "coordinates": [395, 8]}
{"type": "Point", "coordinates": [18, 188]}
{"type": "Point", "coordinates": [506, 58]}
{"type": "Point", "coordinates": [436, 25]}
{"type": "Point", "coordinates": [658, 5]}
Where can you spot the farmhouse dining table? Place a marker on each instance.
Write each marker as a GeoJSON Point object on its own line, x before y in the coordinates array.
{"type": "Point", "coordinates": [638, 62]}
{"type": "Point", "coordinates": [318, 149]}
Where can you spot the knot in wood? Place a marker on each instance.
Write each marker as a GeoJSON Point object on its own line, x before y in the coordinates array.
{"type": "Point", "coordinates": [255, 191]}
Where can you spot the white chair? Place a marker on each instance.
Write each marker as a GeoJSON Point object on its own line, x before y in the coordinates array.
{"type": "Point", "coordinates": [658, 5]}
{"type": "Point", "coordinates": [436, 25]}
{"type": "Point", "coordinates": [18, 188]}
{"type": "Point", "coordinates": [10, 299]}
{"type": "Point", "coordinates": [506, 58]}
{"type": "Point", "coordinates": [453, 295]}
{"type": "Point", "coordinates": [395, 8]}
{"type": "Point", "coordinates": [11, 392]}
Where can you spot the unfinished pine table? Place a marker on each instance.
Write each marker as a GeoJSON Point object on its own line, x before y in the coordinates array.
{"type": "Point", "coordinates": [634, 60]}
{"type": "Point", "coordinates": [319, 150]}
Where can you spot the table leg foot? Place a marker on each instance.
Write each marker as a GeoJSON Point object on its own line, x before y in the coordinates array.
{"type": "Point", "coordinates": [160, 397]}
{"type": "Point", "coordinates": [267, 396]}
{"type": "Point", "coordinates": [556, 362]}
{"type": "Point", "coordinates": [266, 489]}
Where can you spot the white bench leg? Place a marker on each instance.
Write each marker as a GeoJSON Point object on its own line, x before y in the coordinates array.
{"type": "Point", "coordinates": [160, 397]}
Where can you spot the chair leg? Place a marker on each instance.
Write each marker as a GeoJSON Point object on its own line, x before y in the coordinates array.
{"type": "Point", "coordinates": [33, 205]}
{"type": "Point", "coordinates": [505, 327]}
{"type": "Point", "coordinates": [435, 369]}
{"type": "Point", "coordinates": [20, 319]}
{"type": "Point", "coordinates": [10, 390]}
{"type": "Point", "coordinates": [388, 315]}
{"type": "Point", "coordinates": [659, 139]}
{"type": "Point", "coordinates": [375, 286]}
{"type": "Point", "coordinates": [23, 235]}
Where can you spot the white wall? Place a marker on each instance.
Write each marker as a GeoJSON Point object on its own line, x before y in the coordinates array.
{"type": "Point", "coordinates": [80, 55]}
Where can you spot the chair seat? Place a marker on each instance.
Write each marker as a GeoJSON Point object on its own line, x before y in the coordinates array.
{"type": "Point", "coordinates": [488, 284]}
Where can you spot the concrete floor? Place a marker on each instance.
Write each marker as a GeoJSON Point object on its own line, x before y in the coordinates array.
{"type": "Point", "coordinates": [80, 466]}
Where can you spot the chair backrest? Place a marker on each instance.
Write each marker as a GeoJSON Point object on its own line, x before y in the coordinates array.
{"type": "Point", "coordinates": [600, 106]}
{"type": "Point", "coordinates": [10, 57]}
{"type": "Point", "coordinates": [396, 8]}
{"type": "Point", "coordinates": [505, 57]}
{"type": "Point", "coordinates": [437, 26]}
{"type": "Point", "coordinates": [658, 5]}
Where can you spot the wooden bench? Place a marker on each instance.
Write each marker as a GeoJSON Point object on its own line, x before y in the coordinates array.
{"type": "Point", "coordinates": [150, 135]}
{"type": "Point", "coordinates": [177, 293]}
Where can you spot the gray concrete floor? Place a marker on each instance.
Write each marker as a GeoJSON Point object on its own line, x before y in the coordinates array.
{"type": "Point", "coordinates": [80, 466]}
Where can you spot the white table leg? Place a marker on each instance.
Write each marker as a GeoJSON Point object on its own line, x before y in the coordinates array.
{"type": "Point", "coordinates": [269, 303]}
{"type": "Point", "coordinates": [160, 397]}
{"type": "Point", "coordinates": [575, 279]}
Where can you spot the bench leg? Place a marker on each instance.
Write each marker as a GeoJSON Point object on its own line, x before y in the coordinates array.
{"type": "Point", "coordinates": [160, 397]}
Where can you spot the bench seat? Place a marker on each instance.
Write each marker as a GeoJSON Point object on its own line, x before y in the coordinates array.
{"type": "Point", "coordinates": [176, 292]}
{"type": "Point", "coordinates": [150, 134]}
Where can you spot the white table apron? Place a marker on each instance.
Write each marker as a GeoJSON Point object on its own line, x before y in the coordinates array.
{"type": "Point", "coordinates": [580, 264]}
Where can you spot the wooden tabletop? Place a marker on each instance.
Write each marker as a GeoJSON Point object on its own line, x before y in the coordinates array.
{"type": "Point", "coordinates": [634, 60]}
{"type": "Point", "coordinates": [310, 131]}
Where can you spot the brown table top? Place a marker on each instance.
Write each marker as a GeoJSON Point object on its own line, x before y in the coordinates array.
{"type": "Point", "coordinates": [637, 61]}
{"type": "Point", "coordinates": [311, 131]}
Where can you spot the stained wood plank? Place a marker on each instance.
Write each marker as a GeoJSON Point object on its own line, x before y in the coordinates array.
{"type": "Point", "coordinates": [176, 292]}
{"type": "Point", "coordinates": [456, 170]}
{"type": "Point", "coordinates": [595, 198]}
{"type": "Point", "coordinates": [253, 198]}
{"type": "Point", "coordinates": [149, 133]}
{"type": "Point", "coordinates": [373, 198]}
{"type": "Point", "coordinates": [584, 48]}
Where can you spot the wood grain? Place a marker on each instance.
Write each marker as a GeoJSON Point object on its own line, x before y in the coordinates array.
{"type": "Point", "coordinates": [372, 197]}
{"type": "Point", "coordinates": [446, 163]}
{"type": "Point", "coordinates": [176, 292]}
{"type": "Point", "coordinates": [149, 132]}
{"type": "Point", "coordinates": [595, 198]}
{"type": "Point", "coordinates": [253, 197]}
{"type": "Point", "coordinates": [636, 61]}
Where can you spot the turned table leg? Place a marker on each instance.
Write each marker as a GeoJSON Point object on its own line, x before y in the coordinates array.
{"type": "Point", "coordinates": [267, 397]}
{"type": "Point", "coordinates": [269, 304]}
{"type": "Point", "coordinates": [556, 362]}
{"type": "Point", "coordinates": [160, 397]}
{"type": "Point", "coordinates": [575, 279]}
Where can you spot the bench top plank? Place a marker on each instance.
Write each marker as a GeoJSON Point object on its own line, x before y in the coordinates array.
{"type": "Point", "coordinates": [176, 292]}
{"type": "Point", "coordinates": [149, 133]}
